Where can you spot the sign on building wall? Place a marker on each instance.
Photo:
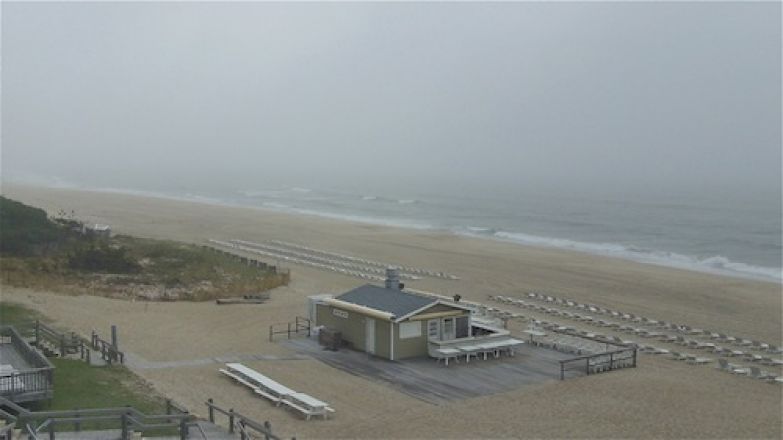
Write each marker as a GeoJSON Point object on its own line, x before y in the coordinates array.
{"type": "Point", "coordinates": [340, 313]}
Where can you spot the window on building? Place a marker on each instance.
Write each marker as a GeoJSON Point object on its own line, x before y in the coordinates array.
{"type": "Point", "coordinates": [433, 329]}
{"type": "Point", "coordinates": [410, 329]}
{"type": "Point", "coordinates": [463, 329]}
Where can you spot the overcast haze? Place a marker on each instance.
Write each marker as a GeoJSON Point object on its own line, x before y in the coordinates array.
{"type": "Point", "coordinates": [178, 95]}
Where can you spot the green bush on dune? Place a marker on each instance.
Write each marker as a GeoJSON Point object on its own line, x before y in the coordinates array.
{"type": "Point", "coordinates": [54, 254]}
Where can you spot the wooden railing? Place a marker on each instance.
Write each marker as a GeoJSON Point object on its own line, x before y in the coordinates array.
{"type": "Point", "coordinates": [64, 343]}
{"type": "Point", "coordinates": [127, 419]}
{"type": "Point", "coordinates": [244, 425]}
{"type": "Point", "coordinates": [300, 324]}
{"type": "Point", "coordinates": [109, 352]}
{"type": "Point", "coordinates": [600, 362]}
{"type": "Point", "coordinates": [36, 383]}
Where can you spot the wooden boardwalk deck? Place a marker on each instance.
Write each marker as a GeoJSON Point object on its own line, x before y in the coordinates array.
{"type": "Point", "coordinates": [9, 355]}
{"type": "Point", "coordinates": [436, 383]}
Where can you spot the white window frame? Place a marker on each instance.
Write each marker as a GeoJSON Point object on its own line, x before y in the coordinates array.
{"type": "Point", "coordinates": [410, 329]}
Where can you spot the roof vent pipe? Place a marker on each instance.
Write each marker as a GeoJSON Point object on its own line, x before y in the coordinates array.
{"type": "Point", "coordinates": [392, 278]}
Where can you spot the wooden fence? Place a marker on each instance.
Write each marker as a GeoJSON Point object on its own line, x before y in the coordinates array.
{"type": "Point", "coordinates": [300, 324]}
{"type": "Point", "coordinates": [127, 419]}
{"type": "Point", "coordinates": [26, 384]}
{"type": "Point", "coordinates": [242, 424]}
{"type": "Point", "coordinates": [64, 343]}
{"type": "Point", "coordinates": [108, 350]}
{"type": "Point", "coordinates": [599, 362]}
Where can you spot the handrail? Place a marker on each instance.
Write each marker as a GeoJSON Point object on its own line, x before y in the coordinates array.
{"type": "Point", "coordinates": [31, 433]}
{"type": "Point", "coordinates": [9, 427]}
{"type": "Point", "coordinates": [263, 428]}
{"type": "Point", "coordinates": [129, 416]}
{"type": "Point", "coordinates": [603, 353]}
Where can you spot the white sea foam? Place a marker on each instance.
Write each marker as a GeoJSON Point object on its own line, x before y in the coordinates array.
{"type": "Point", "coordinates": [713, 264]}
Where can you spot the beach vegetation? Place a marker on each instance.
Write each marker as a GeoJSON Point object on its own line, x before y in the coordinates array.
{"type": "Point", "coordinates": [54, 254]}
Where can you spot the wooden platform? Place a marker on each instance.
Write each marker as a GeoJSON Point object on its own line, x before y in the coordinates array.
{"type": "Point", "coordinates": [436, 383]}
{"type": "Point", "coordinates": [9, 355]}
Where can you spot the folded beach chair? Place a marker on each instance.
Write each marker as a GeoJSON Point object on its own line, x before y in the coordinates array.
{"type": "Point", "coordinates": [723, 364]}
{"type": "Point", "coordinates": [697, 360]}
{"type": "Point", "coordinates": [756, 373]}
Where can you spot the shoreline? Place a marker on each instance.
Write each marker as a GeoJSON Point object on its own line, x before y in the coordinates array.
{"type": "Point", "coordinates": [664, 259]}
{"type": "Point", "coordinates": [637, 398]}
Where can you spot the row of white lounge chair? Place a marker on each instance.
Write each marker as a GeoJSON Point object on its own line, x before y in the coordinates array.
{"type": "Point", "coordinates": [276, 392]}
{"type": "Point", "coordinates": [648, 349]}
{"type": "Point", "coordinates": [752, 372]}
{"type": "Point", "coordinates": [646, 333]}
{"type": "Point", "coordinates": [721, 337]}
{"type": "Point", "coordinates": [336, 256]}
{"type": "Point", "coordinates": [332, 268]}
{"type": "Point", "coordinates": [306, 256]}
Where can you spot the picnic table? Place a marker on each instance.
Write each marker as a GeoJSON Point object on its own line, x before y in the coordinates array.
{"type": "Point", "coordinates": [497, 346]}
{"type": "Point", "coordinates": [448, 353]}
{"type": "Point", "coordinates": [275, 391]}
{"type": "Point", "coordinates": [534, 333]}
{"type": "Point", "coordinates": [468, 350]}
{"type": "Point", "coordinates": [308, 405]}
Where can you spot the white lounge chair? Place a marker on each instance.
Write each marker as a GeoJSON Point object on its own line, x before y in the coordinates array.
{"type": "Point", "coordinates": [756, 373]}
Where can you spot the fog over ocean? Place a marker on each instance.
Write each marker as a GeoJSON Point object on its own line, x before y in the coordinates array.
{"type": "Point", "coordinates": [642, 130]}
{"type": "Point", "coordinates": [716, 231]}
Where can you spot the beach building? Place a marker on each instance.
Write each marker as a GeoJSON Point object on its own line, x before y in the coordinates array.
{"type": "Point", "coordinates": [391, 323]}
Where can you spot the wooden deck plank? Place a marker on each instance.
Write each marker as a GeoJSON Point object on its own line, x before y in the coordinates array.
{"type": "Point", "coordinates": [436, 383]}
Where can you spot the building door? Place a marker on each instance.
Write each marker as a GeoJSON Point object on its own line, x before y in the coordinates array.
{"type": "Point", "coordinates": [449, 332]}
{"type": "Point", "coordinates": [369, 335]}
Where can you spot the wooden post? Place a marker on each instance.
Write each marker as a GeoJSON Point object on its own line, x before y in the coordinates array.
{"type": "Point", "coordinates": [114, 337]}
{"type": "Point", "coordinates": [231, 421]}
{"type": "Point", "coordinates": [634, 357]}
{"type": "Point", "coordinates": [562, 371]}
{"type": "Point", "coordinates": [183, 429]}
{"type": "Point", "coordinates": [242, 435]}
{"type": "Point", "coordinates": [77, 425]}
{"type": "Point", "coordinates": [124, 420]}
{"type": "Point", "coordinates": [587, 365]}
{"type": "Point", "coordinates": [289, 330]}
{"type": "Point", "coordinates": [38, 334]}
{"type": "Point", "coordinates": [51, 430]}
{"type": "Point", "coordinates": [211, 410]}
{"type": "Point", "coordinates": [62, 346]}
{"type": "Point", "coordinates": [268, 428]}
{"type": "Point", "coordinates": [270, 333]}
{"type": "Point", "coordinates": [611, 361]}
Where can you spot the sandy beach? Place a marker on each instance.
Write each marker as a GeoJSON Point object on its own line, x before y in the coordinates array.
{"type": "Point", "coordinates": [661, 398]}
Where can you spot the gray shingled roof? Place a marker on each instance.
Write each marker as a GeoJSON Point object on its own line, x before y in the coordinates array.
{"type": "Point", "coordinates": [393, 301]}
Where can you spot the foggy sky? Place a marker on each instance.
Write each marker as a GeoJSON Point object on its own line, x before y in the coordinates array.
{"type": "Point", "coordinates": [240, 95]}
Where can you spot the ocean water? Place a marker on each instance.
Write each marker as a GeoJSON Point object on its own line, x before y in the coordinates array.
{"type": "Point", "coordinates": [736, 234]}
